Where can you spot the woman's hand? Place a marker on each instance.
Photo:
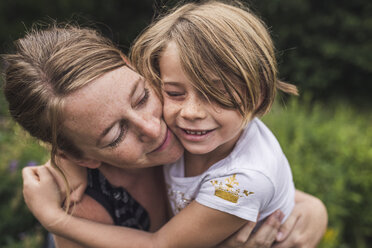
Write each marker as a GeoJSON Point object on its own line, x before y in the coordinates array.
{"type": "Point", "coordinates": [306, 225]}
{"type": "Point", "coordinates": [263, 238]}
{"type": "Point", "coordinates": [42, 195]}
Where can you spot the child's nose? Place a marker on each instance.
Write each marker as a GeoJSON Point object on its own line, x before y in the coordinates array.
{"type": "Point", "coordinates": [193, 109]}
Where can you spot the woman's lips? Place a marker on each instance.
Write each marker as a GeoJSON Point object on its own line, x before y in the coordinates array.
{"type": "Point", "coordinates": [165, 142]}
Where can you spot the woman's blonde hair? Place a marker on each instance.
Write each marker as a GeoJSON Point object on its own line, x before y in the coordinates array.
{"type": "Point", "coordinates": [216, 40]}
{"type": "Point", "coordinates": [47, 65]}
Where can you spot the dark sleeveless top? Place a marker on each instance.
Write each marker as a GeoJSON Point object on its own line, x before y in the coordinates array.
{"type": "Point", "coordinates": [122, 207]}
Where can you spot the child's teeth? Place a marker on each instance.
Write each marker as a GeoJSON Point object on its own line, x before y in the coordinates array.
{"type": "Point", "coordinates": [196, 132]}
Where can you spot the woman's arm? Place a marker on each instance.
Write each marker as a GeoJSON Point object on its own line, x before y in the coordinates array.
{"type": "Point", "coordinates": [264, 237]}
{"type": "Point", "coordinates": [304, 227]}
{"type": "Point", "coordinates": [195, 226]}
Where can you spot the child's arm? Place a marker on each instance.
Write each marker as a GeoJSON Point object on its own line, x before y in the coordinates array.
{"type": "Point", "coordinates": [195, 226]}
{"type": "Point", "coordinates": [81, 205]}
{"type": "Point", "coordinates": [86, 208]}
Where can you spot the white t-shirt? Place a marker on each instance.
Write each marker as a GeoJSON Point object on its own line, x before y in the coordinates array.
{"type": "Point", "coordinates": [254, 178]}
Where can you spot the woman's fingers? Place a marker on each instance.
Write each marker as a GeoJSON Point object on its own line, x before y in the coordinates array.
{"type": "Point", "coordinates": [288, 226]}
{"type": "Point", "coordinates": [263, 238]}
{"type": "Point", "coordinates": [239, 238]}
{"type": "Point", "coordinates": [266, 234]}
{"type": "Point", "coordinates": [306, 225]}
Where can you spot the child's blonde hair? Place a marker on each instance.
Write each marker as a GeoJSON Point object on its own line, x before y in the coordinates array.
{"type": "Point", "coordinates": [220, 41]}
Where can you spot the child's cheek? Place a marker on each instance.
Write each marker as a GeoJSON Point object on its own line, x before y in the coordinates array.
{"type": "Point", "coordinates": [169, 112]}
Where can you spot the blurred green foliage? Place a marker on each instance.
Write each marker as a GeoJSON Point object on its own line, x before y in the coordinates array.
{"type": "Point", "coordinates": [120, 20]}
{"type": "Point", "coordinates": [18, 228]}
{"type": "Point", "coordinates": [329, 148]}
{"type": "Point", "coordinates": [324, 47]}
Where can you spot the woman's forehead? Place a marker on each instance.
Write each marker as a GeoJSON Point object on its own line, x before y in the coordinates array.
{"type": "Point", "coordinates": [103, 98]}
{"type": "Point", "coordinates": [121, 80]}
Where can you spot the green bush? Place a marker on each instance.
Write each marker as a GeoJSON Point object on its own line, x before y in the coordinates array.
{"type": "Point", "coordinates": [330, 152]}
{"type": "Point", "coordinates": [324, 46]}
{"type": "Point", "coordinates": [18, 227]}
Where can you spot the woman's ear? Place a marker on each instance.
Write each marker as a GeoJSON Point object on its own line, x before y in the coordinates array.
{"type": "Point", "coordinates": [89, 163]}
{"type": "Point", "coordinates": [84, 162]}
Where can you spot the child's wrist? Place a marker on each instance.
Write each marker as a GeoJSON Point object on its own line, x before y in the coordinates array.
{"type": "Point", "coordinates": [50, 217]}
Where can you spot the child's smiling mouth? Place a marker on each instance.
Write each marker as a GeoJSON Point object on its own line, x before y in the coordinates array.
{"type": "Point", "coordinates": [197, 132]}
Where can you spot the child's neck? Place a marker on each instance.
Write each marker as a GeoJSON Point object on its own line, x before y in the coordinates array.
{"type": "Point", "coordinates": [196, 164]}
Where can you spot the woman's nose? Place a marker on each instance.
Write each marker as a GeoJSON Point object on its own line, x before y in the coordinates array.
{"type": "Point", "coordinates": [149, 128]}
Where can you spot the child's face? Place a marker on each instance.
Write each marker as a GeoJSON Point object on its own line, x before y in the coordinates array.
{"type": "Point", "coordinates": [201, 126]}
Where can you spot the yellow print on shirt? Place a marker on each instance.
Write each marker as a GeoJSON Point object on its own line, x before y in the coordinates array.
{"type": "Point", "coordinates": [229, 190]}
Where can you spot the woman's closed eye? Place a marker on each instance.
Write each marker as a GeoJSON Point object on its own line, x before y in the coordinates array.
{"type": "Point", "coordinates": [144, 98]}
{"type": "Point", "coordinates": [122, 128]}
{"type": "Point", "coordinates": [120, 135]}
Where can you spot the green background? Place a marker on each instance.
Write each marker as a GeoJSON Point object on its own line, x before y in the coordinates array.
{"type": "Point", "coordinates": [323, 47]}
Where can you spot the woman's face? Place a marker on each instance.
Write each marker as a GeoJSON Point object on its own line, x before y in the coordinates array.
{"type": "Point", "coordinates": [117, 119]}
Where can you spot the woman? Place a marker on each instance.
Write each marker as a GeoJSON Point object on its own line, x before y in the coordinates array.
{"type": "Point", "coordinates": [70, 87]}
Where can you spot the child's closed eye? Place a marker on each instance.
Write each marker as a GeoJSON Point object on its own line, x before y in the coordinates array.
{"type": "Point", "coordinates": [174, 93]}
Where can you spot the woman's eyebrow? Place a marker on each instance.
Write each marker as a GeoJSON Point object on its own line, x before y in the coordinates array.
{"type": "Point", "coordinates": [107, 130]}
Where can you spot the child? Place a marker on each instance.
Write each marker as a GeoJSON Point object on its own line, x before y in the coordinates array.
{"type": "Point", "coordinates": [216, 67]}
{"type": "Point", "coordinates": [218, 73]}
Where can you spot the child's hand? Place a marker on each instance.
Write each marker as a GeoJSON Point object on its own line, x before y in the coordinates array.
{"type": "Point", "coordinates": [41, 194]}
{"type": "Point", "coordinates": [75, 174]}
